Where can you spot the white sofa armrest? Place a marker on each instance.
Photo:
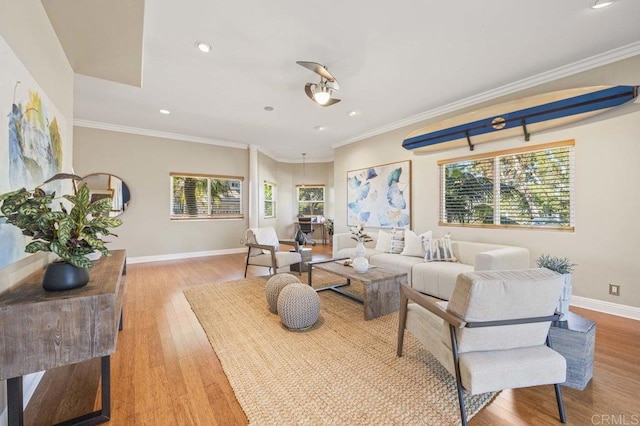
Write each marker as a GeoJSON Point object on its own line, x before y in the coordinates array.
{"type": "Point", "coordinates": [502, 258]}
{"type": "Point", "coordinates": [343, 240]}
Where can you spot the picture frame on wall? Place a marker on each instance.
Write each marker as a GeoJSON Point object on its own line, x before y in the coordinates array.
{"type": "Point", "coordinates": [380, 196]}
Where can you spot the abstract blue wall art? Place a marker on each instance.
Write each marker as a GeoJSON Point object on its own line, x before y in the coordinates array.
{"type": "Point", "coordinates": [380, 196]}
{"type": "Point", "coordinates": [31, 142]}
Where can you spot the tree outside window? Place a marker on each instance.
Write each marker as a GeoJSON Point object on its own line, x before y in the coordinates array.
{"type": "Point", "coordinates": [529, 187]}
{"type": "Point", "coordinates": [205, 197]}
{"type": "Point", "coordinates": [269, 200]}
{"type": "Point", "coordinates": [311, 200]}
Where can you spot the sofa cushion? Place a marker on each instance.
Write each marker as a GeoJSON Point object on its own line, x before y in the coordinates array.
{"type": "Point", "coordinates": [395, 263]}
{"type": "Point", "coordinates": [437, 278]}
{"type": "Point", "coordinates": [414, 244]}
{"type": "Point", "coordinates": [383, 243]}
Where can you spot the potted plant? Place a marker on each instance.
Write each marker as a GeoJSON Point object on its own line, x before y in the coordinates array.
{"type": "Point", "coordinates": [561, 265]}
{"type": "Point", "coordinates": [70, 234]}
{"type": "Point", "coordinates": [328, 224]}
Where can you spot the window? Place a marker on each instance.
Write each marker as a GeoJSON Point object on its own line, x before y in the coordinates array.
{"type": "Point", "coordinates": [205, 197]}
{"type": "Point", "coordinates": [311, 200]}
{"type": "Point", "coordinates": [269, 200]}
{"type": "Point", "coordinates": [529, 187]}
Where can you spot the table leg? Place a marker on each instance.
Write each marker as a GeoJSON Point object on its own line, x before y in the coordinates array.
{"type": "Point", "coordinates": [15, 413]}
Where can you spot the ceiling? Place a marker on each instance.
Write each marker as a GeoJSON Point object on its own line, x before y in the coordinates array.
{"type": "Point", "coordinates": [395, 64]}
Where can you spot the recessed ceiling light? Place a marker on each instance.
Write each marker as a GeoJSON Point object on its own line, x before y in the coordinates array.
{"type": "Point", "coordinates": [203, 47]}
{"type": "Point", "coordinates": [352, 113]}
{"type": "Point", "coordinates": [165, 111]}
{"type": "Point", "coordinates": [268, 108]}
{"type": "Point", "coordinates": [319, 128]}
{"type": "Point", "coordinates": [599, 4]}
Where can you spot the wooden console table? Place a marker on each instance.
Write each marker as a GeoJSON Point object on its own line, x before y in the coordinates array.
{"type": "Point", "coordinates": [40, 330]}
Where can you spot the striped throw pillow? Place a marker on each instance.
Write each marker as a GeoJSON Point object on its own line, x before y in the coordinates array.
{"type": "Point", "coordinates": [439, 250]}
{"type": "Point", "coordinates": [397, 241]}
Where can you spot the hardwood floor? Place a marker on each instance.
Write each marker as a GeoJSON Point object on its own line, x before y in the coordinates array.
{"type": "Point", "coordinates": [165, 372]}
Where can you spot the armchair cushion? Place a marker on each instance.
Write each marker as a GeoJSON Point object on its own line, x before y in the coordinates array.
{"type": "Point", "coordinates": [266, 236]}
{"type": "Point", "coordinates": [283, 258]}
{"type": "Point", "coordinates": [515, 368]}
{"type": "Point", "coordinates": [501, 295]}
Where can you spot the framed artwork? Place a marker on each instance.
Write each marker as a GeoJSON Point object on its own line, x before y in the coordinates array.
{"type": "Point", "coordinates": [32, 142]}
{"type": "Point", "coordinates": [380, 196]}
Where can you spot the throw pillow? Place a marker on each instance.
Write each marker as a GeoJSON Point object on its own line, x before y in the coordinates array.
{"type": "Point", "coordinates": [439, 250]}
{"type": "Point", "coordinates": [384, 241]}
{"type": "Point", "coordinates": [414, 244]}
{"type": "Point", "coordinates": [397, 241]}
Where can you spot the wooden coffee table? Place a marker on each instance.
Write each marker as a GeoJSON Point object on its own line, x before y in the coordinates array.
{"type": "Point", "coordinates": [381, 287]}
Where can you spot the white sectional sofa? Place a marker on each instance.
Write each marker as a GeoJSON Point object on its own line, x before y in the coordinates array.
{"type": "Point", "coordinates": [437, 278]}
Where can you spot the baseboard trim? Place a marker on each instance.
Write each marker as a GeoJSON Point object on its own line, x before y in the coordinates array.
{"type": "Point", "coordinates": [606, 307]}
{"type": "Point", "coordinates": [188, 255]}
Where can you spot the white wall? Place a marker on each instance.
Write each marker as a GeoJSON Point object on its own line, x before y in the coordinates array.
{"type": "Point", "coordinates": [607, 233]}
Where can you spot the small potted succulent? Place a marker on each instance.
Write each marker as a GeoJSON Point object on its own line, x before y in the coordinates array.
{"type": "Point", "coordinates": [561, 265]}
{"type": "Point", "coordinates": [70, 234]}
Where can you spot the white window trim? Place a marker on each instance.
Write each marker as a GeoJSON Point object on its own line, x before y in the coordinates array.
{"type": "Point", "coordinates": [496, 178]}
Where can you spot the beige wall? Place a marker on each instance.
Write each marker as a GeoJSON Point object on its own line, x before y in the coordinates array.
{"type": "Point", "coordinates": [314, 174]}
{"type": "Point", "coordinates": [144, 164]}
{"type": "Point", "coordinates": [607, 233]}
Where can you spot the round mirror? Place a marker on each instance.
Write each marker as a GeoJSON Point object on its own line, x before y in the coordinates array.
{"type": "Point", "coordinates": [105, 185]}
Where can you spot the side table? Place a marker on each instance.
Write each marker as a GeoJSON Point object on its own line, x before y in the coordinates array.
{"type": "Point", "coordinates": [575, 340]}
{"type": "Point", "coordinates": [306, 258]}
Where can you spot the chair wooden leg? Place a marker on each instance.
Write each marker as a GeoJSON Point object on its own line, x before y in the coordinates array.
{"type": "Point", "coordinates": [246, 266]}
{"type": "Point", "coordinates": [456, 362]}
{"type": "Point", "coordinates": [563, 417]}
{"type": "Point", "coordinates": [402, 321]}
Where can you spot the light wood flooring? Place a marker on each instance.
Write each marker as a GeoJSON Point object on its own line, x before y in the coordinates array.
{"type": "Point", "coordinates": [165, 372]}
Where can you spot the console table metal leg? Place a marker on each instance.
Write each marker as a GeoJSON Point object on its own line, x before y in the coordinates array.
{"type": "Point", "coordinates": [15, 415]}
{"type": "Point", "coordinates": [104, 414]}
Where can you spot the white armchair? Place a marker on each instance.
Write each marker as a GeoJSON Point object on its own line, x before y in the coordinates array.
{"type": "Point", "coordinates": [264, 245]}
{"type": "Point", "coordinates": [493, 333]}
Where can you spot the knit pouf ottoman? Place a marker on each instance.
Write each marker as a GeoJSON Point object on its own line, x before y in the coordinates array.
{"type": "Point", "coordinates": [275, 284]}
{"type": "Point", "coordinates": [298, 306]}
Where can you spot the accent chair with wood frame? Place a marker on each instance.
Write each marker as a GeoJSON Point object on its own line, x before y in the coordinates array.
{"type": "Point", "coordinates": [494, 332]}
{"type": "Point", "coordinates": [263, 250]}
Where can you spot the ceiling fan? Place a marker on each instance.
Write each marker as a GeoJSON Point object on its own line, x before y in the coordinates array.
{"type": "Point", "coordinates": [320, 93]}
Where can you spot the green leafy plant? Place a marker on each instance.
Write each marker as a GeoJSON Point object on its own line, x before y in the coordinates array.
{"type": "Point", "coordinates": [69, 234]}
{"type": "Point", "coordinates": [561, 265]}
{"type": "Point", "coordinates": [328, 224]}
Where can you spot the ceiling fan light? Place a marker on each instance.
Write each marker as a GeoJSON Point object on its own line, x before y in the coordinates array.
{"type": "Point", "coordinates": [321, 96]}
{"type": "Point", "coordinates": [599, 4]}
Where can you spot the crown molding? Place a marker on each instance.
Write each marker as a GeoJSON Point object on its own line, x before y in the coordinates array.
{"type": "Point", "coordinates": [587, 64]}
{"type": "Point", "coordinates": [157, 134]}
{"type": "Point", "coordinates": [292, 161]}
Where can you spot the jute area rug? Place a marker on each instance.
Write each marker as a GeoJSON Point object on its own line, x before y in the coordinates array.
{"type": "Point", "coordinates": [343, 370]}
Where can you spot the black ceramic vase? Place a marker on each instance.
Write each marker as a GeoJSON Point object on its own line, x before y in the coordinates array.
{"type": "Point", "coordinates": [64, 276]}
